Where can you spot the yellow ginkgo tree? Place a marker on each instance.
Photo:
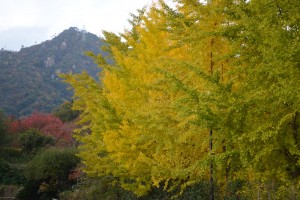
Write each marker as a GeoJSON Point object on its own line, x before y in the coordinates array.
{"type": "Point", "coordinates": [144, 124]}
{"type": "Point", "coordinates": [201, 91]}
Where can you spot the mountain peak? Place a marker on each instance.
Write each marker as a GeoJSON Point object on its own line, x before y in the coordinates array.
{"type": "Point", "coordinates": [29, 77]}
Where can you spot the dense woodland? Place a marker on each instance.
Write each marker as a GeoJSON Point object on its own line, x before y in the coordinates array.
{"type": "Point", "coordinates": [201, 101]}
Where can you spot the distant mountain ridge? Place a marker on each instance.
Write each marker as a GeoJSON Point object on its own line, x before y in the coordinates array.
{"type": "Point", "coordinates": [28, 78]}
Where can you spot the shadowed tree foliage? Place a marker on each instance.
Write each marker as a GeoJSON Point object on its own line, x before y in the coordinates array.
{"type": "Point", "coordinates": [65, 112]}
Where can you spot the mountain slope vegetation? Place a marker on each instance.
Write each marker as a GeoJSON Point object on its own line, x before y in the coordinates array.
{"type": "Point", "coordinates": [28, 78]}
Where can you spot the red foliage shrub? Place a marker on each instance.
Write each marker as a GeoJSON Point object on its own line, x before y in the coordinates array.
{"type": "Point", "coordinates": [48, 124]}
{"type": "Point", "coordinates": [15, 126]}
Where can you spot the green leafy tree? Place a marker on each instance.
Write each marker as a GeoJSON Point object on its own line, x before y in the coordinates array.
{"type": "Point", "coordinates": [49, 171]}
{"type": "Point", "coordinates": [32, 140]}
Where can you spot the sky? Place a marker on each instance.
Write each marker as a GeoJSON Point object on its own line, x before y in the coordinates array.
{"type": "Point", "coordinates": [29, 22]}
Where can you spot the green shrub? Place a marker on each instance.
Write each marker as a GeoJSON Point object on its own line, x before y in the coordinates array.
{"type": "Point", "coordinates": [97, 189]}
{"type": "Point", "coordinates": [32, 140]}
{"type": "Point", "coordinates": [52, 163]}
{"type": "Point", "coordinates": [10, 173]}
{"type": "Point", "coordinates": [50, 168]}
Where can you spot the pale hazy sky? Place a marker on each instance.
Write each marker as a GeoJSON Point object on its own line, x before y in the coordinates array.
{"type": "Point", "coordinates": [26, 22]}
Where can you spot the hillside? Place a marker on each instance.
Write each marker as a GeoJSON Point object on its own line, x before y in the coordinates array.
{"type": "Point", "coordinates": [28, 78]}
